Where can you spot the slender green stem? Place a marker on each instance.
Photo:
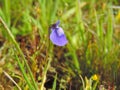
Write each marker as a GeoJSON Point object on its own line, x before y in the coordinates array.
{"type": "Point", "coordinates": [49, 57]}
{"type": "Point", "coordinates": [54, 83]}
{"type": "Point", "coordinates": [45, 72]}
{"type": "Point", "coordinates": [23, 72]}
{"type": "Point", "coordinates": [19, 50]}
{"type": "Point", "coordinates": [82, 82]}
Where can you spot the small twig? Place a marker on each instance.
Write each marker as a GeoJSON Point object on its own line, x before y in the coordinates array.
{"type": "Point", "coordinates": [115, 7]}
{"type": "Point", "coordinates": [6, 74]}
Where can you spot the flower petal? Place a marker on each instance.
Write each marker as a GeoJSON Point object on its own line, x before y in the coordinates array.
{"type": "Point", "coordinates": [60, 31]}
{"type": "Point", "coordinates": [58, 40]}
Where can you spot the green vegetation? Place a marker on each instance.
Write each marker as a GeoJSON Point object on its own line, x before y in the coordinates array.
{"type": "Point", "coordinates": [89, 61]}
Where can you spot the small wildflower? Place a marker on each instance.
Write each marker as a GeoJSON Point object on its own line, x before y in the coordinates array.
{"type": "Point", "coordinates": [95, 77]}
{"type": "Point", "coordinates": [57, 35]}
{"type": "Point", "coordinates": [118, 17]}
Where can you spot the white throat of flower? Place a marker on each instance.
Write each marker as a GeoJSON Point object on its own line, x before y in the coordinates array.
{"type": "Point", "coordinates": [60, 31]}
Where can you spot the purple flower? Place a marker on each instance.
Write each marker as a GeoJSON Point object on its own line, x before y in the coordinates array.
{"type": "Point", "coordinates": [57, 35]}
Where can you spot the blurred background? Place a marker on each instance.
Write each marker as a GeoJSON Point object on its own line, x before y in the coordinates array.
{"type": "Point", "coordinates": [90, 60]}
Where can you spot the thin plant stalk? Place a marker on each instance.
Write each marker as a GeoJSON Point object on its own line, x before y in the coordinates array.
{"type": "Point", "coordinates": [49, 57]}
{"type": "Point", "coordinates": [45, 72]}
{"type": "Point", "coordinates": [23, 72]}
